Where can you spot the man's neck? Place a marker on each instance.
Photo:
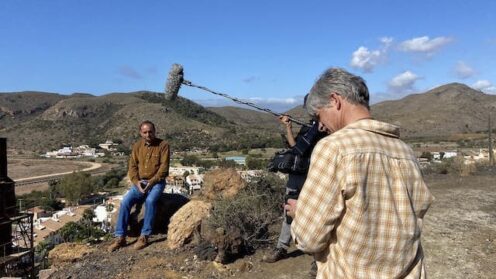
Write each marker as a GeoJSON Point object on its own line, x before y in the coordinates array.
{"type": "Point", "coordinates": [149, 142]}
{"type": "Point", "coordinates": [355, 113]}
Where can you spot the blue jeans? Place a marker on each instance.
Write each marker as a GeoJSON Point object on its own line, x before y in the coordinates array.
{"type": "Point", "coordinates": [133, 197]}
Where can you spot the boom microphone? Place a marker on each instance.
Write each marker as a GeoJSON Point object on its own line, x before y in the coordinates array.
{"type": "Point", "coordinates": [176, 79]}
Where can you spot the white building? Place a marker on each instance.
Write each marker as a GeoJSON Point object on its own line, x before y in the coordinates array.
{"type": "Point", "coordinates": [108, 145]}
{"type": "Point", "coordinates": [194, 182]}
{"type": "Point", "coordinates": [179, 171]}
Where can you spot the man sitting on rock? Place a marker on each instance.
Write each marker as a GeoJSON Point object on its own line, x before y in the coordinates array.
{"type": "Point", "coordinates": [148, 168]}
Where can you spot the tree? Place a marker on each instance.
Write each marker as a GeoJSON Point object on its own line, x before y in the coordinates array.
{"type": "Point", "coordinates": [88, 214]}
{"type": "Point", "coordinates": [75, 186]}
{"type": "Point", "coordinates": [190, 160]}
{"type": "Point", "coordinates": [427, 155]}
{"type": "Point", "coordinates": [112, 183]}
{"type": "Point", "coordinates": [253, 163]}
{"type": "Point", "coordinates": [227, 164]}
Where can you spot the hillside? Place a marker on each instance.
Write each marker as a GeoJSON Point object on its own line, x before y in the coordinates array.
{"type": "Point", "coordinates": [40, 121]}
{"type": "Point", "coordinates": [458, 242]}
{"type": "Point", "coordinates": [441, 112]}
{"type": "Point", "coordinates": [446, 110]}
{"type": "Point", "coordinates": [247, 117]}
{"type": "Point", "coordinates": [49, 120]}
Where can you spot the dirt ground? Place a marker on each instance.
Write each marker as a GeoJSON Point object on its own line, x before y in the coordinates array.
{"type": "Point", "coordinates": [23, 168]}
{"type": "Point", "coordinates": [458, 239]}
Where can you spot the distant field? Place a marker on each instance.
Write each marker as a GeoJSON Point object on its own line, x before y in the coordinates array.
{"type": "Point", "coordinates": [24, 168]}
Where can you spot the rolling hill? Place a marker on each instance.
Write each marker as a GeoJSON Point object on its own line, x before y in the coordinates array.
{"type": "Point", "coordinates": [438, 113]}
{"type": "Point", "coordinates": [40, 121]}
{"type": "Point", "coordinates": [50, 120]}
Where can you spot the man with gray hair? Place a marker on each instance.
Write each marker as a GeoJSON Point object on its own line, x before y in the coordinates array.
{"type": "Point", "coordinates": [361, 209]}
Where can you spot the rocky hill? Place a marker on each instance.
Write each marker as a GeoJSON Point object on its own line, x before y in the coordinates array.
{"type": "Point", "coordinates": [438, 113]}
{"type": "Point", "coordinates": [247, 117]}
{"type": "Point", "coordinates": [40, 121]}
{"type": "Point", "coordinates": [443, 111]}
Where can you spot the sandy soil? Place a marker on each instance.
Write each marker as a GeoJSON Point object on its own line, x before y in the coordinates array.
{"type": "Point", "coordinates": [21, 169]}
{"type": "Point", "coordinates": [458, 239]}
{"type": "Point", "coordinates": [24, 168]}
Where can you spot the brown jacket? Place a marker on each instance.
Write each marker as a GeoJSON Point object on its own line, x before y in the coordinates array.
{"type": "Point", "coordinates": [149, 162]}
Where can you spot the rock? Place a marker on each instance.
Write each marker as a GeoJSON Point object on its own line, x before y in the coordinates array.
{"type": "Point", "coordinates": [222, 183]}
{"type": "Point", "coordinates": [167, 205]}
{"type": "Point", "coordinates": [68, 253]}
{"type": "Point", "coordinates": [45, 273]}
{"type": "Point", "coordinates": [186, 221]}
{"type": "Point", "coordinates": [229, 244]}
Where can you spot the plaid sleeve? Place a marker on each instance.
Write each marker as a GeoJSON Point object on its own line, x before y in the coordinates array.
{"type": "Point", "coordinates": [321, 202]}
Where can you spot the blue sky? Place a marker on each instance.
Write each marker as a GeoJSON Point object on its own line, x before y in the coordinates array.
{"type": "Point", "coordinates": [268, 52]}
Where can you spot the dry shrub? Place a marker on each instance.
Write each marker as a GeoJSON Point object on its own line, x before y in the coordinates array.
{"type": "Point", "coordinates": [462, 167]}
{"type": "Point", "coordinates": [67, 253]}
{"type": "Point", "coordinates": [250, 212]}
{"type": "Point", "coordinates": [454, 165]}
{"type": "Point", "coordinates": [222, 184]}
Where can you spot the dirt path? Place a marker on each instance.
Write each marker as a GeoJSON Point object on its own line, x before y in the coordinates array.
{"type": "Point", "coordinates": [93, 166]}
{"type": "Point", "coordinates": [458, 239]}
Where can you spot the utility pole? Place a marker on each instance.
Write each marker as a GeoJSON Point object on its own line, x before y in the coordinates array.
{"type": "Point", "coordinates": [491, 155]}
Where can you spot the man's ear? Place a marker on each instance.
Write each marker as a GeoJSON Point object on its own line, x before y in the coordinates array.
{"type": "Point", "coordinates": [336, 100]}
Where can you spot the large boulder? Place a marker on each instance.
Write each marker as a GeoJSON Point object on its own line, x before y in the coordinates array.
{"type": "Point", "coordinates": [167, 206]}
{"type": "Point", "coordinates": [186, 222]}
{"type": "Point", "coordinates": [222, 184]}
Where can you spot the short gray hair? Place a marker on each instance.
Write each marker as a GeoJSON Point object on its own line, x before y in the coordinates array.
{"type": "Point", "coordinates": [339, 81]}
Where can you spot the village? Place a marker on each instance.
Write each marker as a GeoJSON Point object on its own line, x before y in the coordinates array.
{"type": "Point", "coordinates": [82, 151]}
{"type": "Point", "coordinates": [186, 181]}
{"type": "Point", "coordinates": [99, 209]}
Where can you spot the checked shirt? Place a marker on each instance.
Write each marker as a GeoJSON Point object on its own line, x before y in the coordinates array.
{"type": "Point", "coordinates": [361, 208]}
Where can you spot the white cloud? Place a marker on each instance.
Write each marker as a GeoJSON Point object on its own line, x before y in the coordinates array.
{"type": "Point", "coordinates": [386, 41]}
{"type": "Point", "coordinates": [463, 71]}
{"type": "Point", "coordinates": [485, 86]}
{"type": "Point", "coordinates": [403, 82]}
{"type": "Point", "coordinates": [366, 60]}
{"type": "Point", "coordinates": [424, 44]}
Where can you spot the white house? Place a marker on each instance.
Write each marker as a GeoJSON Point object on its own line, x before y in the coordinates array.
{"type": "Point", "coordinates": [179, 171]}
{"type": "Point", "coordinates": [194, 182]}
{"type": "Point", "coordinates": [108, 145]}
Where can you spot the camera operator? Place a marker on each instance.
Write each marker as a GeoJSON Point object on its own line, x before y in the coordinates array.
{"type": "Point", "coordinates": [295, 162]}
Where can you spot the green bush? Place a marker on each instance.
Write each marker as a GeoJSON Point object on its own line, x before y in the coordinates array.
{"type": "Point", "coordinates": [75, 186]}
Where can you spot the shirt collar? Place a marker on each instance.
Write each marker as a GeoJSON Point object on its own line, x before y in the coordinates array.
{"type": "Point", "coordinates": [377, 127]}
{"type": "Point", "coordinates": [153, 143]}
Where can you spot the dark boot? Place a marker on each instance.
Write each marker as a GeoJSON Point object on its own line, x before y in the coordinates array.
{"type": "Point", "coordinates": [276, 255]}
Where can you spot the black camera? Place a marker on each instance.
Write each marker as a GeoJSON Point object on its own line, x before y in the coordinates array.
{"type": "Point", "coordinates": [292, 194]}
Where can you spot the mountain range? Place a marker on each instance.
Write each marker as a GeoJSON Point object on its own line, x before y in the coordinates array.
{"type": "Point", "coordinates": [38, 121]}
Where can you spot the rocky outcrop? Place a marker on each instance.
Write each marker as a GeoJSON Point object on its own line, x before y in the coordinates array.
{"type": "Point", "coordinates": [76, 108]}
{"type": "Point", "coordinates": [167, 206]}
{"type": "Point", "coordinates": [186, 221]}
{"type": "Point", "coordinates": [67, 253]}
{"type": "Point", "coordinates": [222, 184]}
